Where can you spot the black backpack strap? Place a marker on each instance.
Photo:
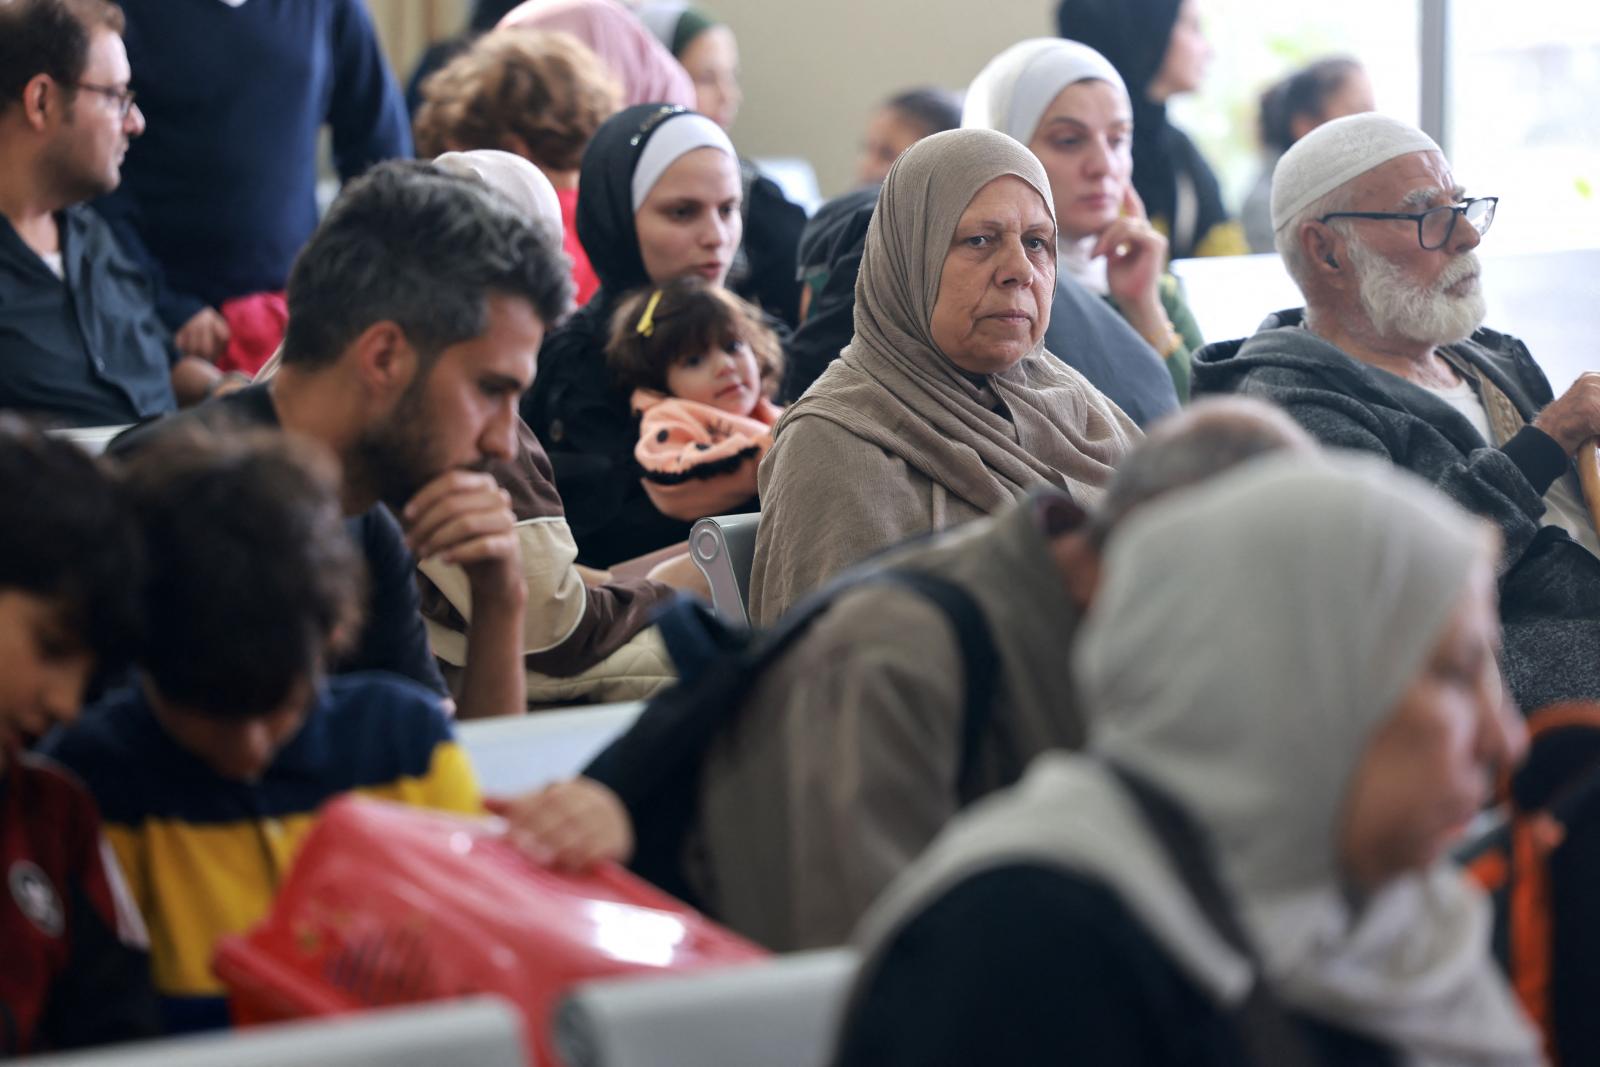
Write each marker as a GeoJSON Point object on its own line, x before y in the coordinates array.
{"type": "Point", "coordinates": [1268, 1034]}
{"type": "Point", "coordinates": [981, 666]}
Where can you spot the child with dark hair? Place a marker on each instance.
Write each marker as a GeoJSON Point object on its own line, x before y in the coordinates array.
{"type": "Point", "coordinates": [703, 366]}
{"type": "Point", "coordinates": [209, 772]}
{"type": "Point", "coordinates": [75, 971]}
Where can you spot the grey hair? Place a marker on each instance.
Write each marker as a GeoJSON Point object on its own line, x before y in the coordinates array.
{"type": "Point", "coordinates": [409, 243]}
{"type": "Point", "coordinates": [1287, 237]}
{"type": "Point", "coordinates": [1207, 438]}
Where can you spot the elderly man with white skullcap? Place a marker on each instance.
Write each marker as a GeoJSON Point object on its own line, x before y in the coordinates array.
{"type": "Point", "coordinates": [1389, 356]}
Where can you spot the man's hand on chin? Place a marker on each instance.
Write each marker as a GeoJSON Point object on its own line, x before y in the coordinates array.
{"type": "Point", "coordinates": [464, 518]}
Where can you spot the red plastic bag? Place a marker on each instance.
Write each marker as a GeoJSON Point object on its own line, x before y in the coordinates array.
{"type": "Point", "coordinates": [389, 904]}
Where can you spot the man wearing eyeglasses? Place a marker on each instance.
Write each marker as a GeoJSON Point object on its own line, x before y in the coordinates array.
{"type": "Point", "coordinates": [1388, 356]}
{"type": "Point", "coordinates": [80, 341]}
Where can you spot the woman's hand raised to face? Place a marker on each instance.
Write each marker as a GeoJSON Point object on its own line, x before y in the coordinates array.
{"type": "Point", "coordinates": [1135, 256]}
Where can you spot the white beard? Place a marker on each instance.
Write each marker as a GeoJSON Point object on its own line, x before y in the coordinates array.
{"type": "Point", "coordinates": [1398, 308]}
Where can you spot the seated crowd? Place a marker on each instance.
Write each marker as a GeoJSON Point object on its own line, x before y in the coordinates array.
{"type": "Point", "coordinates": [1158, 730]}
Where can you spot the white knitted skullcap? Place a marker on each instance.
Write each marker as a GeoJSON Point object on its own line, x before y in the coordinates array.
{"type": "Point", "coordinates": [1336, 152]}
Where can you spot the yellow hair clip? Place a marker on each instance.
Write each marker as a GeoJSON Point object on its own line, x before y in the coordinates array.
{"type": "Point", "coordinates": [647, 321]}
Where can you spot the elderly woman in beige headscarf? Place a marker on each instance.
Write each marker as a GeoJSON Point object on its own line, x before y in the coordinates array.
{"type": "Point", "coordinates": [1294, 707]}
{"type": "Point", "coordinates": [945, 405]}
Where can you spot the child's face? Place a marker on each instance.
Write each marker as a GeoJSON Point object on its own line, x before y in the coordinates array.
{"type": "Point", "coordinates": [44, 668]}
{"type": "Point", "coordinates": [239, 749]}
{"type": "Point", "coordinates": [725, 377]}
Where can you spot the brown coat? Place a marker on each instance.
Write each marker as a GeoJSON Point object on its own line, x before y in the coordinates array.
{"type": "Point", "coordinates": [844, 765]}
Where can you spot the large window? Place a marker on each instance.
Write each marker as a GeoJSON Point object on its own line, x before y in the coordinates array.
{"type": "Point", "coordinates": [1521, 116]}
{"type": "Point", "coordinates": [1517, 86]}
{"type": "Point", "coordinates": [1257, 42]}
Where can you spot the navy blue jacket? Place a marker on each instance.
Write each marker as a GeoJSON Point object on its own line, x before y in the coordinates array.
{"type": "Point", "coordinates": [220, 191]}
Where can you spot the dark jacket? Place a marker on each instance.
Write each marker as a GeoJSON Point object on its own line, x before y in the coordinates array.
{"type": "Point", "coordinates": [1026, 964]}
{"type": "Point", "coordinates": [88, 350]}
{"type": "Point", "coordinates": [576, 409]}
{"type": "Point", "coordinates": [1549, 584]}
{"type": "Point", "coordinates": [220, 190]}
{"type": "Point", "coordinates": [763, 269]}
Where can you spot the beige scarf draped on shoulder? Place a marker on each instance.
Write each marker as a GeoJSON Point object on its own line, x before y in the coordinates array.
{"type": "Point", "coordinates": [1040, 422]}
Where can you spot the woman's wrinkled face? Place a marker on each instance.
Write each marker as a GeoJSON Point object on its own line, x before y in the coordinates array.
{"type": "Point", "coordinates": [712, 60]}
{"type": "Point", "coordinates": [1183, 68]}
{"type": "Point", "coordinates": [1428, 768]}
{"type": "Point", "coordinates": [998, 279]}
{"type": "Point", "coordinates": [1085, 141]}
{"type": "Point", "coordinates": [689, 222]}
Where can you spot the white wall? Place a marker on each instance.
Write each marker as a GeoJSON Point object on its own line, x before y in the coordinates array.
{"type": "Point", "coordinates": [814, 69]}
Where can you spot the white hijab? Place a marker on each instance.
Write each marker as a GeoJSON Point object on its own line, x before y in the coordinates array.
{"type": "Point", "coordinates": [1320, 592]}
{"type": "Point", "coordinates": [514, 178]}
{"type": "Point", "coordinates": [1011, 94]}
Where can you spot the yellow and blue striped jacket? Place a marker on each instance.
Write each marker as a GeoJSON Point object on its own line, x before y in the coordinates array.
{"type": "Point", "coordinates": [204, 854]}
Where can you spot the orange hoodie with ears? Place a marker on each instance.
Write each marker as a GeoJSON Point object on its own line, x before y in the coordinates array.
{"type": "Point", "coordinates": [699, 460]}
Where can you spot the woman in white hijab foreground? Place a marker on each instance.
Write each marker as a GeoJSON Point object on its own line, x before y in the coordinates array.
{"type": "Point", "coordinates": [1247, 865]}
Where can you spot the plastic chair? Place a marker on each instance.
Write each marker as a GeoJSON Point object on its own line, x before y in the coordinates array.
{"type": "Point", "coordinates": [723, 547]}
{"type": "Point", "coordinates": [782, 1013]}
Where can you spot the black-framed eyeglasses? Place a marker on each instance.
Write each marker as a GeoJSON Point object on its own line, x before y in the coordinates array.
{"type": "Point", "coordinates": [654, 119]}
{"type": "Point", "coordinates": [123, 96]}
{"type": "Point", "coordinates": [1435, 225]}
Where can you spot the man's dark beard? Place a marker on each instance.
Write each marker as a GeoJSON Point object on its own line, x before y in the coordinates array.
{"type": "Point", "coordinates": [396, 458]}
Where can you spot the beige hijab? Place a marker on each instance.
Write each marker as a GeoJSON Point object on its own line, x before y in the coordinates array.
{"type": "Point", "coordinates": [893, 387]}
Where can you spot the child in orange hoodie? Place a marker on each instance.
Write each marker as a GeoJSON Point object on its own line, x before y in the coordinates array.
{"type": "Point", "coordinates": [702, 366]}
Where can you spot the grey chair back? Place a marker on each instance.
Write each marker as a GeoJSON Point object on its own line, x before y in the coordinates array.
{"type": "Point", "coordinates": [723, 547]}
{"type": "Point", "coordinates": [780, 1013]}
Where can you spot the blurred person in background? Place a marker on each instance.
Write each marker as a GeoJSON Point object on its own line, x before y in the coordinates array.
{"type": "Point", "coordinates": [220, 192]}
{"type": "Point", "coordinates": [763, 270]}
{"type": "Point", "coordinates": [1327, 89]}
{"type": "Point", "coordinates": [900, 122]}
{"type": "Point", "coordinates": [485, 15]}
{"type": "Point", "coordinates": [536, 94]}
{"type": "Point", "coordinates": [1160, 50]}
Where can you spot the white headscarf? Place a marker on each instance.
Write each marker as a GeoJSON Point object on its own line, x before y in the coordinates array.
{"type": "Point", "coordinates": [1011, 94]}
{"type": "Point", "coordinates": [514, 178]}
{"type": "Point", "coordinates": [671, 142]}
{"type": "Point", "coordinates": [1248, 637]}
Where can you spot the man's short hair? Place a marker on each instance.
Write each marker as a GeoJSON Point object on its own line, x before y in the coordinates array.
{"type": "Point", "coordinates": [411, 244]}
{"type": "Point", "coordinates": [252, 579]}
{"type": "Point", "coordinates": [547, 89]}
{"type": "Point", "coordinates": [69, 540]}
{"type": "Point", "coordinates": [49, 37]}
{"type": "Point", "coordinates": [1197, 444]}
